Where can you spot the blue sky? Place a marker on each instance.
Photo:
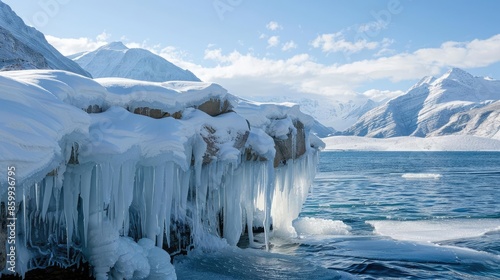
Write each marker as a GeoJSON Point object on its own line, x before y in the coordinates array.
{"type": "Point", "coordinates": [341, 49]}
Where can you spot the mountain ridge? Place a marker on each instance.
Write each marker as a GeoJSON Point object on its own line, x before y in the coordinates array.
{"type": "Point", "coordinates": [436, 106]}
{"type": "Point", "coordinates": [23, 47]}
{"type": "Point", "coordinates": [117, 60]}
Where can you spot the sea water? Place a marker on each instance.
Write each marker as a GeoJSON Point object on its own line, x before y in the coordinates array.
{"type": "Point", "coordinates": [381, 215]}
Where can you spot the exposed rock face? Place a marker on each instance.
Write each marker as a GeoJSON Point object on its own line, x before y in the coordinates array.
{"type": "Point", "coordinates": [287, 149]}
{"type": "Point", "coordinates": [215, 107]}
{"type": "Point", "coordinates": [15, 55]}
{"type": "Point", "coordinates": [153, 113]}
{"type": "Point", "coordinates": [94, 109]}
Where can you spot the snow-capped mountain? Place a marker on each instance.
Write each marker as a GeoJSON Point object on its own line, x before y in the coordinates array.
{"type": "Point", "coordinates": [24, 47]}
{"type": "Point", "coordinates": [333, 114]}
{"type": "Point", "coordinates": [116, 60]}
{"type": "Point", "coordinates": [455, 103]}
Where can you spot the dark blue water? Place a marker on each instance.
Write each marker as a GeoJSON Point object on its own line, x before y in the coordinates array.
{"type": "Point", "coordinates": [381, 215]}
{"type": "Point", "coordinates": [431, 215]}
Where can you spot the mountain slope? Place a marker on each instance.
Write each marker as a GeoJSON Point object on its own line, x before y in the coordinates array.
{"type": "Point", "coordinates": [116, 60]}
{"type": "Point", "coordinates": [455, 103]}
{"type": "Point", "coordinates": [331, 113]}
{"type": "Point", "coordinates": [24, 47]}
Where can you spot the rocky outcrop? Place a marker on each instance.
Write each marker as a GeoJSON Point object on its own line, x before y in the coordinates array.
{"type": "Point", "coordinates": [215, 107]}
{"type": "Point", "coordinates": [292, 147]}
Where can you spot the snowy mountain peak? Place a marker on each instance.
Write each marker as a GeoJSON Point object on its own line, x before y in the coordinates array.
{"type": "Point", "coordinates": [455, 103]}
{"type": "Point", "coordinates": [427, 80]}
{"type": "Point", "coordinates": [116, 60]}
{"type": "Point", "coordinates": [116, 46]}
{"type": "Point", "coordinates": [460, 76]}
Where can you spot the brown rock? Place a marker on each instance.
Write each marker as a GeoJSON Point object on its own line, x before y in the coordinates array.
{"type": "Point", "coordinates": [285, 149]}
{"type": "Point", "coordinates": [215, 107]}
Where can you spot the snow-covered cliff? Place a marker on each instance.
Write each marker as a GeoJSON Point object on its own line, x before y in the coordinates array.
{"type": "Point", "coordinates": [117, 172]}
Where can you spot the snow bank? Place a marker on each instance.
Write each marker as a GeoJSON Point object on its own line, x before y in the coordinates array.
{"type": "Point", "coordinates": [91, 184]}
{"type": "Point", "coordinates": [438, 143]}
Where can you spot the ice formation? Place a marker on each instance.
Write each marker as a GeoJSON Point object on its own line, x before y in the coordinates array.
{"type": "Point", "coordinates": [113, 171]}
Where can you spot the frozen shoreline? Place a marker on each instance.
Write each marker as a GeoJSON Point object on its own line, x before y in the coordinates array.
{"type": "Point", "coordinates": [440, 143]}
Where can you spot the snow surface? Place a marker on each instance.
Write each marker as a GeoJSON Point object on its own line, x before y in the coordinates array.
{"type": "Point", "coordinates": [116, 60]}
{"type": "Point", "coordinates": [88, 181]}
{"type": "Point", "coordinates": [439, 143]}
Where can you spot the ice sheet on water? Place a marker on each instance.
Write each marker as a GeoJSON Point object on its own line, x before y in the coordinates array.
{"type": "Point", "coordinates": [421, 176]}
{"type": "Point", "coordinates": [316, 226]}
{"type": "Point", "coordinates": [374, 247]}
{"type": "Point", "coordinates": [435, 230]}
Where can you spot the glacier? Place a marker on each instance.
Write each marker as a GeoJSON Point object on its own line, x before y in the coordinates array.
{"type": "Point", "coordinates": [122, 173]}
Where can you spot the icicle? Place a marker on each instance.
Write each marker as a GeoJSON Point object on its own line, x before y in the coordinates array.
{"type": "Point", "coordinates": [269, 190]}
{"type": "Point", "coordinates": [85, 186]}
{"type": "Point", "coordinates": [48, 182]}
{"type": "Point", "coordinates": [170, 182]}
{"type": "Point", "coordinates": [37, 196]}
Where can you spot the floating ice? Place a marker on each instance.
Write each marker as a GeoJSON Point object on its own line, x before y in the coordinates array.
{"type": "Point", "coordinates": [435, 230]}
{"type": "Point", "coordinates": [376, 248]}
{"type": "Point", "coordinates": [419, 176]}
{"type": "Point", "coordinates": [315, 226]}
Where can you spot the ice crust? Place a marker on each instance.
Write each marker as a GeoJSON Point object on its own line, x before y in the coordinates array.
{"type": "Point", "coordinates": [88, 185]}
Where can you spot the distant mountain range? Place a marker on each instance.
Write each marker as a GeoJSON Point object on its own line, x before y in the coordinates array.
{"type": "Point", "coordinates": [455, 103]}
{"type": "Point", "coordinates": [116, 60]}
{"type": "Point", "coordinates": [23, 47]}
{"type": "Point", "coordinates": [332, 115]}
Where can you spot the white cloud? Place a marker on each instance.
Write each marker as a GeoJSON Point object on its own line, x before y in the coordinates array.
{"type": "Point", "coordinates": [335, 42]}
{"type": "Point", "coordinates": [68, 46]}
{"type": "Point", "coordinates": [273, 41]}
{"type": "Point", "coordinates": [273, 25]}
{"type": "Point", "coordinates": [289, 46]}
{"type": "Point", "coordinates": [303, 74]}
{"type": "Point", "coordinates": [250, 75]}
